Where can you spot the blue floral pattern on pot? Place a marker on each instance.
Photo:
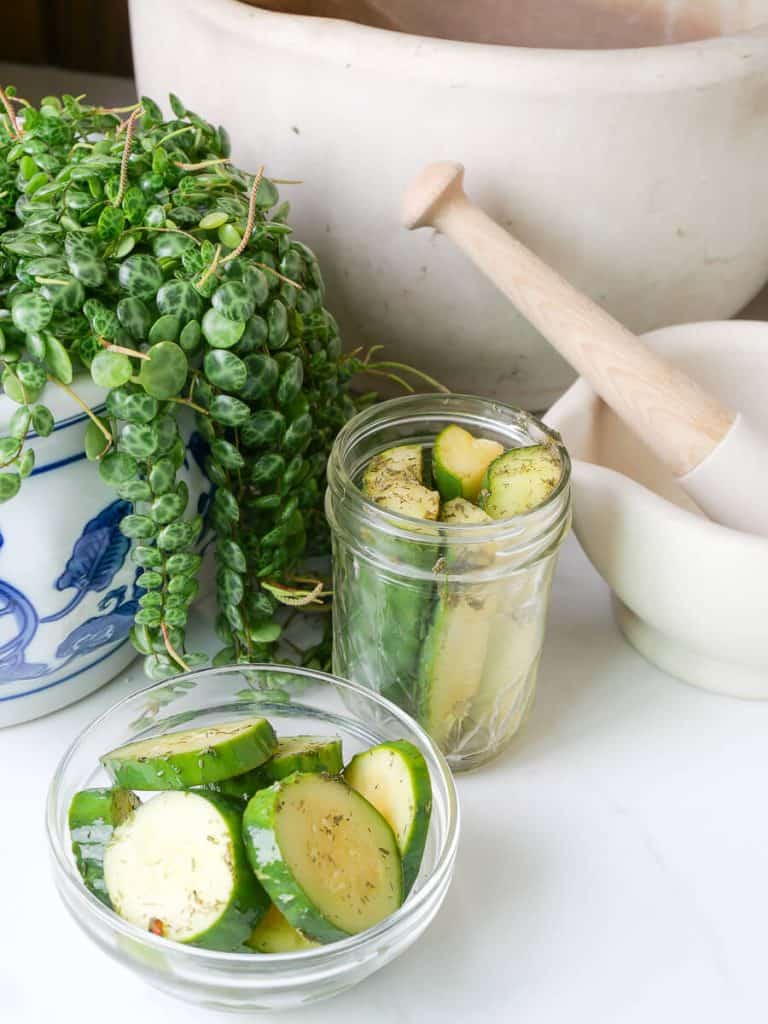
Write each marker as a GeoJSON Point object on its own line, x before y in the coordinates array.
{"type": "Point", "coordinates": [99, 553]}
{"type": "Point", "coordinates": [68, 592]}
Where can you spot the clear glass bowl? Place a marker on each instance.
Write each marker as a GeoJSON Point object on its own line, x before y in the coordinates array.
{"type": "Point", "coordinates": [296, 701]}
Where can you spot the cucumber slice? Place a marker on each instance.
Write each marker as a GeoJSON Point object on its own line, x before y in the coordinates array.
{"type": "Point", "coordinates": [459, 462]}
{"type": "Point", "coordinates": [520, 480]}
{"type": "Point", "coordinates": [177, 867]}
{"type": "Point", "coordinates": [292, 754]}
{"type": "Point", "coordinates": [506, 688]}
{"type": "Point", "coordinates": [304, 754]}
{"type": "Point", "coordinates": [94, 814]}
{"type": "Point", "coordinates": [453, 654]}
{"type": "Point", "coordinates": [394, 778]}
{"type": "Point", "coordinates": [462, 512]}
{"type": "Point", "coordinates": [327, 858]}
{"type": "Point", "coordinates": [387, 618]}
{"type": "Point", "coordinates": [273, 934]}
{"type": "Point", "coordinates": [178, 760]}
{"type": "Point", "coordinates": [393, 479]}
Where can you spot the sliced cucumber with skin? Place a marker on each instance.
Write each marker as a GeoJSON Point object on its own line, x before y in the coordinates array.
{"type": "Point", "coordinates": [387, 620]}
{"type": "Point", "coordinates": [94, 814]}
{"type": "Point", "coordinates": [459, 462]}
{"type": "Point", "coordinates": [394, 778]}
{"type": "Point", "coordinates": [520, 480]}
{"type": "Point", "coordinates": [273, 934]}
{"type": "Point", "coordinates": [304, 754]}
{"type": "Point", "coordinates": [327, 858]}
{"type": "Point", "coordinates": [177, 867]}
{"type": "Point", "coordinates": [179, 760]}
{"type": "Point", "coordinates": [292, 754]}
{"type": "Point", "coordinates": [454, 651]}
{"type": "Point", "coordinates": [394, 481]}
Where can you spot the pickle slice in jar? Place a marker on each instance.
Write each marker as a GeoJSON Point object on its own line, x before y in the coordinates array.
{"type": "Point", "coordinates": [385, 628]}
{"type": "Point", "coordinates": [459, 462]}
{"type": "Point", "coordinates": [520, 480]}
{"type": "Point", "coordinates": [394, 480]}
{"type": "Point", "coordinates": [454, 650]}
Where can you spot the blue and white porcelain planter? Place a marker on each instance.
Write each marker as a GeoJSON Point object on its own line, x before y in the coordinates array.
{"type": "Point", "coordinates": [67, 585]}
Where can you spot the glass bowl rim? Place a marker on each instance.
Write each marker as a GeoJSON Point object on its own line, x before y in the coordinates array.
{"type": "Point", "coordinates": [302, 958]}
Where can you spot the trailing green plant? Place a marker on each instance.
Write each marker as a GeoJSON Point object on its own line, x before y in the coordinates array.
{"type": "Point", "coordinates": [131, 248]}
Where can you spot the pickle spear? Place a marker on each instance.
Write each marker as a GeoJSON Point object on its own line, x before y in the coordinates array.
{"type": "Point", "coordinates": [386, 625]}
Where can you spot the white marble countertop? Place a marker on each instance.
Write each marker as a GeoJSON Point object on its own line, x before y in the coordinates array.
{"type": "Point", "coordinates": [611, 869]}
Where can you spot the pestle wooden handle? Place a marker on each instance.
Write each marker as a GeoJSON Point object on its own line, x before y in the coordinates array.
{"type": "Point", "coordinates": [675, 417]}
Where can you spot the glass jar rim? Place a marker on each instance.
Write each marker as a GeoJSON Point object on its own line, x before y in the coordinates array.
{"type": "Point", "coordinates": [341, 485]}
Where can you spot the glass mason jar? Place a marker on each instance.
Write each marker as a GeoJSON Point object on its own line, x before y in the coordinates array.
{"type": "Point", "coordinates": [445, 620]}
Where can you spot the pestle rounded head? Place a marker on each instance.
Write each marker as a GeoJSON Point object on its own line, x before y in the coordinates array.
{"type": "Point", "coordinates": [425, 194]}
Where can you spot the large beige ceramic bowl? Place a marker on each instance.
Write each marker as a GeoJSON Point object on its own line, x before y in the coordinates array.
{"type": "Point", "coordinates": [689, 594]}
{"type": "Point", "coordinates": [639, 173]}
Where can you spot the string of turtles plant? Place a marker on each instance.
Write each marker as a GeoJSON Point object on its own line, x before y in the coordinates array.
{"type": "Point", "coordinates": [132, 248]}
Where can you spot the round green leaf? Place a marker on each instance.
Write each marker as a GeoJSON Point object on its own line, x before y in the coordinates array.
{"type": "Point", "coordinates": [226, 454]}
{"type": "Point", "coordinates": [266, 468]}
{"type": "Point", "coordinates": [9, 485]}
{"type": "Point", "coordinates": [57, 359]}
{"type": "Point", "coordinates": [232, 555]}
{"type": "Point", "coordinates": [184, 563]}
{"type": "Point", "coordinates": [10, 449]}
{"type": "Point", "coordinates": [162, 476]}
{"type": "Point", "coordinates": [165, 328]}
{"type": "Point", "coordinates": [66, 295]}
{"type": "Point", "coordinates": [133, 314]}
{"type": "Point", "coordinates": [221, 332]}
{"type": "Point", "coordinates": [170, 244]}
{"type": "Point", "coordinates": [147, 557]}
{"type": "Point", "coordinates": [181, 299]}
{"type": "Point", "coordinates": [140, 275]}
{"type": "Point", "coordinates": [132, 405]}
{"type": "Point", "coordinates": [225, 370]}
{"type": "Point", "coordinates": [42, 420]}
{"type": "Point", "coordinates": [135, 490]}
{"type": "Point", "coordinates": [118, 468]}
{"type": "Point", "coordinates": [110, 223]}
{"type": "Point", "coordinates": [191, 336]}
{"type": "Point", "coordinates": [31, 311]}
{"type": "Point", "coordinates": [96, 444]}
{"type": "Point", "coordinates": [139, 439]}
{"type": "Point", "coordinates": [229, 411]}
{"type": "Point", "coordinates": [213, 220]}
{"type": "Point", "coordinates": [32, 376]}
{"type": "Point", "coordinates": [111, 369]}
{"type": "Point", "coordinates": [138, 527]}
{"type": "Point", "coordinates": [234, 301]}
{"type": "Point", "coordinates": [20, 421]}
{"type": "Point", "coordinates": [164, 374]}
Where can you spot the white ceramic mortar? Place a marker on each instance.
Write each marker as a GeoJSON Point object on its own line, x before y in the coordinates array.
{"type": "Point", "coordinates": [690, 595]}
{"type": "Point", "coordinates": [638, 173]}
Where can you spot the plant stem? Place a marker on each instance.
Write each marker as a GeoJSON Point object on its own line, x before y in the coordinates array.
{"type": "Point", "coordinates": [203, 163]}
{"type": "Point", "coordinates": [191, 404]}
{"type": "Point", "coordinates": [86, 409]}
{"type": "Point", "coordinates": [11, 115]}
{"type": "Point", "coordinates": [251, 218]}
{"type": "Point", "coordinates": [211, 269]}
{"type": "Point", "coordinates": [130, 126]}
{"type": "Point", "coordinates": [172, 650]}
{"type": "Point", "coordinates": [131, 352]}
